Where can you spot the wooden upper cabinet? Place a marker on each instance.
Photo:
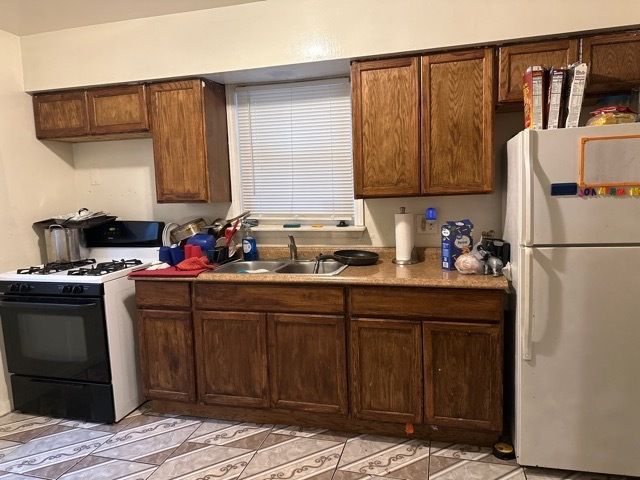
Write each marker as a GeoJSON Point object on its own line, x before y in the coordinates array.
{"type": "Point", "coordinates": [166, 355]}
{"type": "Point", "coordinates": [386, 370]}
{"type": "Point", "coordinates": [614, 61]}
{"type": "Point", "coordinates": [386, 127]}
{"type": "Point", "coordinates": [515, 59]}
{"type": "Point", "coordinates": [457, 122]}
{"type": "Point", "coordinates": [463, 375]}
{"type": "Point", "coordinates": [190, 148]}
{"type": "Point", "coordinates": [60, 115]}
{"type": "Point", "coordinates": [307, 362]}
{"type": "Point", "coordinates": [231, 352]}
{"type": "Point", "coordinates": [120, 109]}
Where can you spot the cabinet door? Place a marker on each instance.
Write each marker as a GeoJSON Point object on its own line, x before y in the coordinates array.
{"type": "Point", "coordinates": [463, 375]}
{"type": "Point", "coordinates": [120, 109]}
{"type": "Point", "coordinates": [457, 122]}
{"type": "Point", "coordinates": [614, 61]}
{"type": "Point", "coordinates": [515, 59]}
{"type": "Point", "coordinates": [231, 352]}
{"type": "Point", "coordinates": [166, 355]}
{"type": "Point", "coordinates": [177, 120]}
{"type": "Point", "coordinates": [307, 362]}
{"type": "Point", "coordinates": [386, 370]}
{"type": "Point", "coordinates": [60, 115]}
{"type": "Point", "coordinates": [386, 127]}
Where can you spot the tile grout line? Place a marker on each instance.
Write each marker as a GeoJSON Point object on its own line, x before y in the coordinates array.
{"type": "Point", "coordinates": [257, 449]}
{"type": "Point", "coordinates": [82, 458]}
{"type": "Point", "coordinates": [344, 445]}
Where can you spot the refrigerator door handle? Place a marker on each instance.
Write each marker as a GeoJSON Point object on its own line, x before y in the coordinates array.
{"type": "Point", "coordinates": [527, 201]}
{"type": "Point", "coordinates": [527, 303]}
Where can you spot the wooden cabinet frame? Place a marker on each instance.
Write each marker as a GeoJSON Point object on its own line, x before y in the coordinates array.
{"type": "Point", "coordinates": [182, 370]}
{"type": "Point", "coordinates": [544, 50]}
{"type": "Point", "coordinates": [486, 118]}
{"type": "Point", "coordinates": [359, 382]}
{"type": "Point", "coordinates": [411, 162]}
{"type": "Point", "coordinates": [491, 398]}
{"type": "Point", "coordinates": [240, 369]}
{"type": "Point", "coordinates": [613, 61]}
{"type": "Point", "coordinates": [336, 379]}
{"type": "Point", "coordinates": [118, 95]}
{"type": "Point", "coordinates": [265, 384]}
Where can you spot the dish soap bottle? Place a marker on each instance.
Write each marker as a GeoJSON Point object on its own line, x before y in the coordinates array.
{"type": "Point", "coordinates": [249, 245]}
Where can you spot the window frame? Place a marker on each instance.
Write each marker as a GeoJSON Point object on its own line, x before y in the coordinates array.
{"type": "Point", "coordinates": [266, 223]}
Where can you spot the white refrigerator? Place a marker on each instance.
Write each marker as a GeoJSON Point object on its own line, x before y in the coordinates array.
{"type": "Point", "coordinates": [576, 277]}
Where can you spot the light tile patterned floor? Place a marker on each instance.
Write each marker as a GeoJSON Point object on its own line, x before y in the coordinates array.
{"type": "Point", "coordinates": [152, 446]}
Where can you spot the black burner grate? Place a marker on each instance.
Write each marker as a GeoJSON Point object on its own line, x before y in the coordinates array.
{"type": "Point", "coordinates": [55, 267]}
{"type": "Point", "coordinates": [104, 268]}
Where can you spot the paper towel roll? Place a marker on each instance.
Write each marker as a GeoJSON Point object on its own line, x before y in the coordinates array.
{"type": "Point", "coordinates": [404, 236]}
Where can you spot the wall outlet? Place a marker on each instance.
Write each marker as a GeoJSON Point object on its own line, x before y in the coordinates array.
{"type": "Point", "coordinates": [424, 227]}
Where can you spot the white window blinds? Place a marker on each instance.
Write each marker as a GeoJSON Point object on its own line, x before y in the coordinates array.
{"type": "Point", "coordinates": [294, 143]}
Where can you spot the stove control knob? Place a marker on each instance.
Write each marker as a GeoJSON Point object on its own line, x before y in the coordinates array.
{"type": "Point", "coordinates": [78, 289]}
{"type": "Point", "coordinates": [66, 289]}
{"type": "Point", "coordinates": [14, 287]}
{"type": "Point", "coordinates": [24, 288]}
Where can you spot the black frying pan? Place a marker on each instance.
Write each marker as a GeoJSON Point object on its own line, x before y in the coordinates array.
{"type": "Point", "coordinates": [352, 257]}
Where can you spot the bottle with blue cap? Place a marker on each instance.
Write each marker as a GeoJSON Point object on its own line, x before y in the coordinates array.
{"type": "Point", "coordinates": [249, 244]}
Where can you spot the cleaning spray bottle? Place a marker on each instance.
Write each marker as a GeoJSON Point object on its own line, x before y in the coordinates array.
{"type": "Point", "coordinates": [249, 244]}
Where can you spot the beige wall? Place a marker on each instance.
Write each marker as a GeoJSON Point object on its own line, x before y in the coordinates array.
{"type": "Point", "coordinates": [36, 180]}
{"type": "Point", "coordinates": [119, 177]}
{"type": "Point", "coordinates": [284, 32]}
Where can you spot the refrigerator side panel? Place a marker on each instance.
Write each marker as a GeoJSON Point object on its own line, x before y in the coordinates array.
{"type": "Point", "coordinates": [578, 394]}
{"type": "Point", "coordinates": [558, 220]}
{"type": "Point", "coordinates": [517, 153]}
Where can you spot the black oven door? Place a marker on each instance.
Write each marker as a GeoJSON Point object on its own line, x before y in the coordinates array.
{"type": "Point", "coordinates": [56, 337]}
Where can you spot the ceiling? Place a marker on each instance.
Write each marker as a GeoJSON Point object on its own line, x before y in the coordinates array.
{"type": "Point", "coordinates": [25, 17]}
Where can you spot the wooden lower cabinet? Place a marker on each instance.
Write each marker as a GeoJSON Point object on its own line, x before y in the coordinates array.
{"type": "Point", "coordinates": [166, 355]}
{"type": "Point", "coordinates": [463, 375]}
{"type": "Point", "coordinates": [404, 356]}
{"type": "Point", "coordinates": [386, 370]}
{"type": "Point", "coordinates": [307, 362]}
{"type": "Point", "coordinates": [231, 353]}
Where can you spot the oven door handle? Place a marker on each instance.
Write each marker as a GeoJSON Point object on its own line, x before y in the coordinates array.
{"type": "Point", "coordinates": [72, 306]}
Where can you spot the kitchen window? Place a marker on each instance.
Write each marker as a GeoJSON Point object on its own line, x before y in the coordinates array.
{"type": "Point", "coordinates": [293, 152]}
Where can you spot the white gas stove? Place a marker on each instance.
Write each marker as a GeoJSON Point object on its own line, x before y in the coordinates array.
{"type": "Point", "coordinates": [69, 328]}
{"type": "Point", "coordinates": [99, 265]}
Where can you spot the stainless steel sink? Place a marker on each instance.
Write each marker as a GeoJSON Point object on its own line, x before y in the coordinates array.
{"type": "Point", "coordinates": [305, 267]}
{"type": "Point", "coordinates": [250, 266]}
{"type": "Point", "coordinates": [326, 268]}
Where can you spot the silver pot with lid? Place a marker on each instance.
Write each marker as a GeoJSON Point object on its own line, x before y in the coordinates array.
{"type": "Point", "coordinates": [62, 243]}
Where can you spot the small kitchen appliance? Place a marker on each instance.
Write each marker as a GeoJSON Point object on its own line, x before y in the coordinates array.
{"type": "Point", "coordinates": [69, 327]}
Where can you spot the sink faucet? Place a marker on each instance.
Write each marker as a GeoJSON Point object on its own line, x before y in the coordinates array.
{"type": "Point", "coordinates": [293, 248]}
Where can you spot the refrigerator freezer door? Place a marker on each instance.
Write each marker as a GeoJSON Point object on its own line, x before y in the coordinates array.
{"type": "Point", "coordinates": [539, 159]}
{"type": "Point", "coordinates": [578, 396]}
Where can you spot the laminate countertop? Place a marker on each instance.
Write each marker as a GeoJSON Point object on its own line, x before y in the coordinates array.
{"type": "Point", "coordinates": [426, 273]}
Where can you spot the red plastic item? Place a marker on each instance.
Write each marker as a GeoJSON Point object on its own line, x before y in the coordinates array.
{"type": "Point", "coordinates": [191, 251]}
{"type": "Point", "coordinates": [195, 263]}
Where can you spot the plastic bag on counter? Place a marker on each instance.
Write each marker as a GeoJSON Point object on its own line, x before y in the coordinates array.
{"type": "Point", "coordinates": [469, 263]}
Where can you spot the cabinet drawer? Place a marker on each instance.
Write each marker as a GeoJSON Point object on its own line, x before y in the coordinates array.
{"type": "Point", "coordinates": [163, 294]}
{"type": "Point", "coordinates": [269, 298]}
{"type": "Point", "coordinates": [455, 304]}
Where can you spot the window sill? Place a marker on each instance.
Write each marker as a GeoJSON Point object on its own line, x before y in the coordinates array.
{"type": "Point", "coordinates": [309, 229]}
